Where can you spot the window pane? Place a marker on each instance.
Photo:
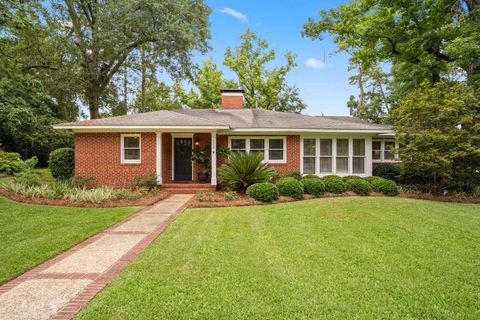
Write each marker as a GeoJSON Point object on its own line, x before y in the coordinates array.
{"type": "Point", "coordinates": [275, 144]}
{"type": "Point", "coordinates": [325, 165]}
{"type": "Point", "coordinates": [275, 154]}
{"type": "Point", "coordinates": [358, 165]}
{"type": "Point", "coordinates": [131, 154]}
{"type": "Point", "coordinates": [376, 154]}
{"type": "Point", "coordinates": [131, 142]}
{"type": "Point", "coordinates": [259, 151]}
{"type": "Point", "coordinates": [358, 147]}
{"type": "Point", "coordinates": [309, 165]}
{"type": "Point", "coordinates": [309, 147]}
{"type": "Point", "coordinates": [389, 150]}
{"type": "Point", "coordinates": [342, 165]}
{"type": "Point", "coordinates": [238, 144]}
{"type": "Point", "coordinates": [257, 144]}
{"type": "Point", "coordinates": [342, 147]}
{"type": "Point", "coordinates": [325, 147]}
{"type": "Point", "coordinates": [376, 145]}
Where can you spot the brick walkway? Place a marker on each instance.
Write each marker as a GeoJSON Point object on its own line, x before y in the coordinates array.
{"type": "Point", "coordinates": [60, 287]}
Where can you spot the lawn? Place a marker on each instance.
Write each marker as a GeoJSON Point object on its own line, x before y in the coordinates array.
{"type": "Point", "coordinates": [334, 258]}
{"type": "Point", "coordinates": [32, 234]}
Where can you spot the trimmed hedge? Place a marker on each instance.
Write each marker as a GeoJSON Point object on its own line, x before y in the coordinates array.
{"type": "Point", "coordinates": [388, 171]}
{"type": "Point", "coordinates": [313, 186]}
{"type": "Point", "coordinates": [334, 184]}
{"type": "Point", "coordinates": [294, 174]}
{"type": "Point", "coordinates": [348, 178]}
{"type": "Point", "coordinates": [310, 176]}
{"type": "Point", "coordinates": [265, 192]}
{"type": "Point", "coordinates": [61, 163]}
{"type": "Point", "coordinates": [387, 187]}
{"type": "Point", "coordinates": [359, 186]}
{"type": "Point", "coordinates": [290, 187]}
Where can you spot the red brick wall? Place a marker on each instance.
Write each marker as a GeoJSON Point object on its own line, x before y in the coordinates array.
{"type": "Point", "coordinates": [232, 102]}
{"type": "Point", "coordinates": [97, 155]}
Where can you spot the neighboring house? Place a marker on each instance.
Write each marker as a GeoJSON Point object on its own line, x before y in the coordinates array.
{"type": "Point", "coordinates": [115, 150]}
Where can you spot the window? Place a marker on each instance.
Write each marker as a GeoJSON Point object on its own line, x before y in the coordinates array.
{"type": "Point", "coordinates": [342, 156]}
{"type": "Point", "coordinates": [325, 156]}
{"type": "Point", "coordinates": [309, 154]}
{"type": "Point", "coordinates": [272, 149]}
{"type": "Point", "coordinates": [358, 156]}
{"type": "Point", "coordinates": [130, 148]}
{"type": "Point", "coordinates": [383, 150]}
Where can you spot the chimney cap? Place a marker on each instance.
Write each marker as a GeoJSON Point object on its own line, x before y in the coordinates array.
{"type": "Point", "coordinates": [230, 90]}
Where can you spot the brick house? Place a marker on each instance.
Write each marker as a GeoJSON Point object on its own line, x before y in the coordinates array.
{"type": "Point", "coordinates": [115, 150]}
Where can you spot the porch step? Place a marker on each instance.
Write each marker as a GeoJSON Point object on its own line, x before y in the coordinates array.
{"type": "Point", "coordinates": [183, 188]}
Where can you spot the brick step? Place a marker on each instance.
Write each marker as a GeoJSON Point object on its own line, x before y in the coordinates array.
{"type": "Point", "coordinates": [184, 188]}
{"type": "Point", "coordinates": [185, 191]}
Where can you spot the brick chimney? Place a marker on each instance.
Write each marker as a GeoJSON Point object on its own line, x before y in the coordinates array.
{"type": "Point", "coordinates": [232, 98]}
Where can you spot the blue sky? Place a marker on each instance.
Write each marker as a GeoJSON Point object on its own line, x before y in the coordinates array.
{"type": "Point", "coordinates": [323, 85]}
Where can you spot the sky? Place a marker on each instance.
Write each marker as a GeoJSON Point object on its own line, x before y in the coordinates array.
{"type": "Point", "coordinates": [321, 75]}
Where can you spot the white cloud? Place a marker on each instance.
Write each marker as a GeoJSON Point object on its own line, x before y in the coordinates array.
{"type": "Point", "coordinates": [315, 63]}
{"type": "Point", "coordinates": [236, 14]}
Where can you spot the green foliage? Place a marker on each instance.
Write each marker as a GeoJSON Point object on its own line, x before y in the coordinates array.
{"type": "Point", "coordinates": [159, 96]}
{"type": "Point", "coordinates": [265, 192]}
{"type": "Point", "coordinates": [230, 195]}
{"type": "Point", "coordinates": [310, 176]}
{"type": "Point", "coordinates": [241, 170]}
{"type": "Point", "coordinates": [348, 178]}
{"type": "Point", "coordinates": [359, 186]}
{"type": "Point", "coordinates": [61, 163]}
{"type": "Point", "coordinates": [294, 174]}
{"type": "Point", "coordinates": [334, 184]}
{"type": "Point", "coordinates": [205, 196]}
{"type": "Point", "coordinates": [313, 186]}
{"type": "Point", "coordinates": [264, 88]}
{"type": "Point", "coordinates": [387, 187]}
{"type": "Point", "coordinates": [11, 162]}
{"type": "Point", "coordinates": [27, 178]}
{"type": "Point", "coordinates": [200, 156]}
{"type": "Point", "coordinates": [149, 181]}
{"type": "Point", "coordinates": [290, 187]}
{"type": "Point", "coordinates": [439, 130]}
{"type": "Point", "coordinates": [388, 171]}
{"type": "Point", "coordinates": [79, 181]}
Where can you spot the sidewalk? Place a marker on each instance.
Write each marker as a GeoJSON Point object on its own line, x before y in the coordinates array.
{"type": "Point", "coordinates": [60, 287]}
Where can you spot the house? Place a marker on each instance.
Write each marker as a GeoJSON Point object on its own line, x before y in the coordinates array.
{"type": "Point", "coordinates": [115, 150]}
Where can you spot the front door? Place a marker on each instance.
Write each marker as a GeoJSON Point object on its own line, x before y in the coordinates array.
{"type": "Point", "coordinates": [182, 159]}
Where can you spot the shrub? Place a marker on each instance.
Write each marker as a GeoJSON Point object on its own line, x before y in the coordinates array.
{"type": "Point", "coordinates": [79, 181]}
{"type": "Point", "coordinates": [290, 187]}
{"type": "Point", "coordinates": [205, 196]}
{"type": "Point", "coordinates": [348, 178]}
{"type": "Point", "coordinates": [265, 192]}
{"type": "Point", "coordinates": [313, 186]}
{"type": "Point", "coordinates": [387, 187]}
{"type": "Point", "coordinates": [27, 178]}
{"type": "Point", "coordinates": [334, 184]}
{"type": "Point", "coordinates": [241, 170]}
{"type": "Point", "coordinates": [359, 186]}
{"type": "Point", "coordinates": [148, 181]}
{"type": "Point", "coordinates": [11, 162]}
{"type": "Point", "coordinates": [388, 171]}
{"type": "Point", "coordinates": [230, 195]}
{"type": "Point", "coordinates": [61, 163]}
{"type": "Point", "coordinates": [310, 176]}
{"type": "Point", "coordinates": [294, 174]}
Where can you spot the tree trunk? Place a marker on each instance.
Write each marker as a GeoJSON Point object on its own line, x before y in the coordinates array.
{"type": "Point", "coordinates": [94, 104]}
{"type": "Point", "coordinates": [125, 90]}
{"type": "Point", "coordinates": [144, 75]}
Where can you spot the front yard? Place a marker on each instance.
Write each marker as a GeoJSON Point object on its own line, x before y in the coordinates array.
{"type": "Point", "coordinates": [336, 258]}
{"type": "Point", "coordinates": [31, 234]}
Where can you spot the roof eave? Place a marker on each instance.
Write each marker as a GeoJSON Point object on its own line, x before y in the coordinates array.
{"type": "Point", "coordinates": [136, 128]}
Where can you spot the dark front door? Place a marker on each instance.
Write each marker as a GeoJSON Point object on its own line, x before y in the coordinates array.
{"type": "Point", "coordinates": [182, 159]}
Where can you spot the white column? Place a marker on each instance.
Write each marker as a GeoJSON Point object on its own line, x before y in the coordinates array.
{"type": "Point", "coordinates": [158, 163]}
{"type": "Point", "coordinates": [213, 159]}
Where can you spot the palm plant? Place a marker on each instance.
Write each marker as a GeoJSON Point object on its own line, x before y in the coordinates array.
{"type": "Point", "coordinates": [241, 170]}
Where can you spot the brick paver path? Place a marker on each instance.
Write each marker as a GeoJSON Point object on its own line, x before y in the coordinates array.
{"type": "Point", "coordinates": [60, 287]}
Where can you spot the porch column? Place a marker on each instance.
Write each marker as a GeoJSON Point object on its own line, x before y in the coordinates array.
{"type": "Point", "coordinates": [158, 163]}
{"type": "Point", "coordinates": [213, 158]}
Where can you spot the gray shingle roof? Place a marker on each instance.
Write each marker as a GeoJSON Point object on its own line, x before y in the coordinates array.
{"type": "Point", "coordinates": [233, 119]}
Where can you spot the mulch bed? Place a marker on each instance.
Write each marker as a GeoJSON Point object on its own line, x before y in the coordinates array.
{"type": "Point", "coordinates": [438, 197]}
{"type": "Point", "coordinates": [149, 199]}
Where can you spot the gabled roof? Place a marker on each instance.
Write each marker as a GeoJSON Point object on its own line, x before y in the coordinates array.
{"type": "Point", "coordinates": [234, 120]}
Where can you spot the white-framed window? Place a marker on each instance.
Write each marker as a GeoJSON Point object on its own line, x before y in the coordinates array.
{"type": "Point", "coordinates": [131, 148]}
{"type": "Point", "coordinates": [358, 156]}
{"type": "Point", "coordinates": [309, 156]}
{"type": "Point", "coordinates": [342, 156]}
{"type": "Point", "coordinates": [273, 149]}
{"type": "Point", "coordinates": [326, 156]}
{"type": "Point", "coordinates": [384, 150]}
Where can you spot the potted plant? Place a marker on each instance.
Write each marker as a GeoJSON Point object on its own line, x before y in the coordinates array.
{"type": "Point", "coordinates": [200, 157]}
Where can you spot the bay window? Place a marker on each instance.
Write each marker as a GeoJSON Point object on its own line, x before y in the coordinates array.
{"type": "Point", "coordinates": [272, 149]}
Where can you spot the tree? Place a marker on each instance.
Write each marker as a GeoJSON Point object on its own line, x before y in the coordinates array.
{"type": "Point", "coordinates": [263, 87]}
{"type": "Point", "coordinates": [289, 100]}
{"type": "Point", "coordinates": [420, 40]}
{"type": "Point", "coordinates": [439, 129]}
{"type": "Point", "coordinates": [159, 96]}
{"type": "Point", "coordinates": [99, 37]}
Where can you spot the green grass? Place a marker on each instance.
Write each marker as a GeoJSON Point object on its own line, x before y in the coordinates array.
{"type": "Point", "coordinates": [31, 234]}
{"type": "Point", "coordinates": [337, 258]}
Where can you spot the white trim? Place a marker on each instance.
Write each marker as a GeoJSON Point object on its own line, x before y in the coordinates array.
{"type": "Point", "coordinates": [266, 146]}
{"type": "Point", "coordinates": [232, 94]}
{"type": "Point", "coordinates": [213, 158]}
{"type": "Point", "coordinates": [179, 135]}
{"type": "Point", "coordinates": [299, 130]}
{"type": "Point", "coordinates": [122, 150]}
{"type": "Point", "coordinates": [110, 128]}
{"type": "Point", "coordinates": [158, 163]}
